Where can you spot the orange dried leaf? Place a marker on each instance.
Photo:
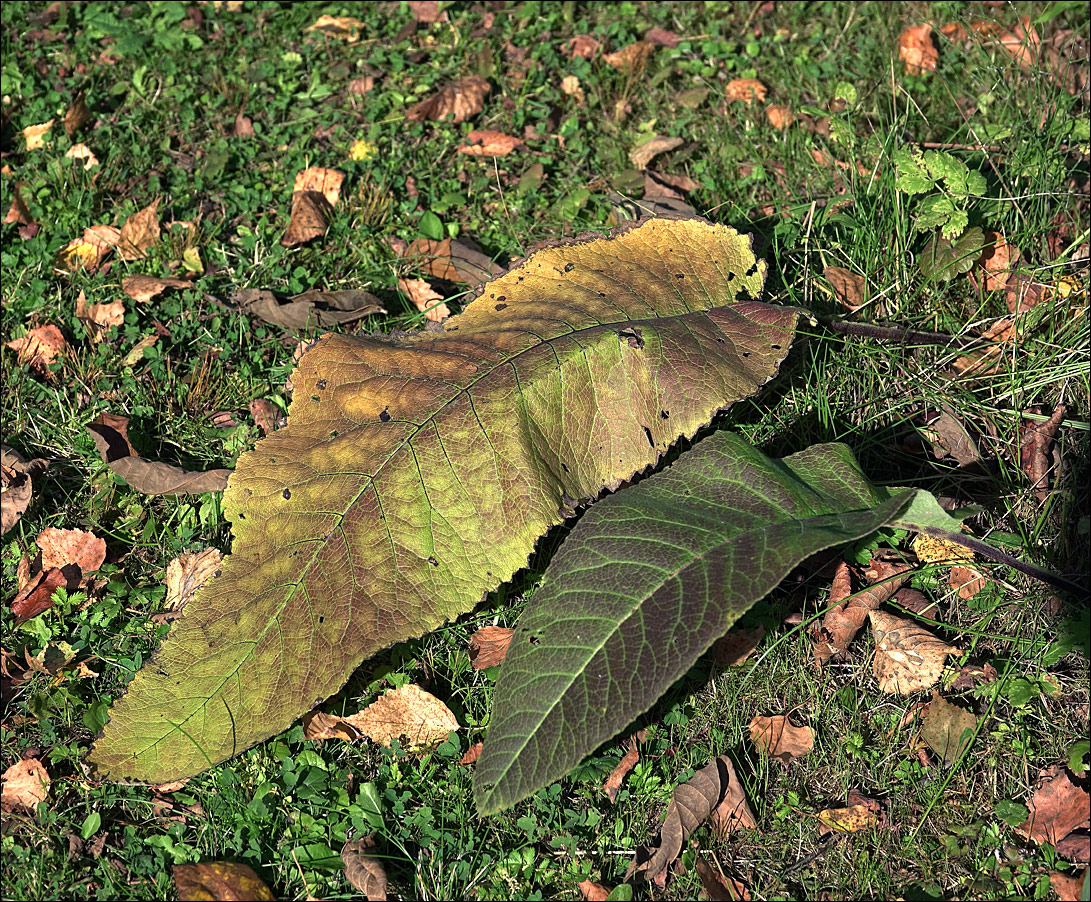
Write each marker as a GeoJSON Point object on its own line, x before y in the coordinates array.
{"type": "Point", "coordinates": [326, 182]}
{"type": "Point", "coordinates": [25, 785]}
{"type": "Point", "coordinates": [99, 316]}
{"type": "Point", "coordinates": [593, 892]}
{"type": "Point", "coordinates": [425, 298]}
{"type": "Point", "coordinates": [745, 90]}
{"type": "Point", "coordinates": [77, 115]}
{"type": "Point", "coordinates": [83, 154]}
{"type": "Point", "coordinates": [1058, 807]}
{"type": "Point", "coordinates": [459, 100]}
{"type": "Point", "coordinates": [617, 776]}
{"type": "Point", "coordinates": [997, 261]}
{"type": "Point", "coordinates": [37, 595]}
{"type": "Point", "coordinates": [18, 211]}
{"type": "Point", "coordinates": [139, 232]}
{"type": "Point", "coordinates": [39, 348]}
{"type": "Point", "coordinates": [641, 156]}
{"type": "Point", "coordinates": [147, 288]}
{"type": "Point", "coordinates": [488, 144]}
{"type": "Point", "coordinates": [916, 50]}
{"type": "Point", "coordinates": [908, 658]}
{"type": "Point", "coordinates": [340, 28]}
{"type": "Point", "coordinates": [489, 646]}
{"type": "Point", "coordinates": [779, 116]}
{"type": "Point", "coordinates": [408, 712]}
{"type": "Point", "coordinates": [63, 547]}
{"type": "Point", "coordinates": [777, 737]}
{"type": "Point", "coordinates": [187, 573]}
{"type": "Point", "coordinates": [583, 46]}
{"type": "Point", "coordinates": [849, 287]}
{"type": "Point", "coordinates": [630, 59]}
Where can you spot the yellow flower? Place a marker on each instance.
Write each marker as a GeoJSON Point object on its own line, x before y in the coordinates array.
{"type": "Point", "coordinates": [362, 150]}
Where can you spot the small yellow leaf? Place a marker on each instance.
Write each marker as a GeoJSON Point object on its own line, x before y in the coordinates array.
{"type": "Point", "coordinates": [34, 135]}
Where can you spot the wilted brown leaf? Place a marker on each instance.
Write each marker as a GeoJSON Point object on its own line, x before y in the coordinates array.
{"type": "Point", "coordinates": [340, 28]}
{"type": "Point", "coordinates": [916, 50]}
{"type": "Point", "coordinates": [628, 761]}
{"type": "Point", "coordinates": [314, 196]}
{"type": "Point", "coordinates": [472, 753]}
{"type": "Point", "coordinates": [660, 37]}
{"type": "Point", "coordinates": [364, 871]}
{"type": "Point", "coordinates": [745, 90]}
{"type": "Point", "coordinates": [593, 892]}
{"type": "Point", "coordinates": [997, 261]}
{"type": "Point", "coordinates": [90, 250]}
{"type": "Point", "coordinates": [110, 433]}
{"type": "Point", "coordinates": [408, 712]}
{"type": "Point", "coordinates": [39, 348]}
{"type": "Point", "coordinates": [77, 115]}
{"type": "Point", "coordinates": [37, 595]}
{"type": "Point", "coordinates": [777, 737]}
{"type": "Point", "coordinates": [309, 310]}
{"type": "Point", "coordinates": [630, 59]}
{"type": "Point", "coordinates": [221, 881]}
{"type": "Point", "coordinates": [427, 11]}
{"type": "Point", "coordinates": [64, 547]}
{"type": "Point", "coordinates": [859, 813]}
{"type": "Point", "coordinates": [583, 46]}
{"type": "Point", "coordinates": [264, 414]}
{"type": "Point", "coordinates": [326, 182]}
{"type": "Point", "coordinates": [570, 85]}
{"type": "Point", "coordinates": [425, 298]}
{"type": "Point", "coordinates": [690, 806]}
{"type": "Point", "coordinates": [25, 784]}
{"type": "Point", "coordinates": [733, 811]}
{"type": "Point", "coordinates": [1065, 887]}
{"type": "Point", "coordinates": [34, 135]}
{"type": "Point", "coordinates": [908, 658]}
{"type": "Point", "coordinates": [1058, 807]}
{"type": "Point", "coordinates": [721, 887]}
{"type": "Point", "coordinates": [459, 100]}
{"type": "Point", "coordinates": [944, 725]}
{"type": "Point", "coordinates": [642, 155]}
{"type": "Point", "coordinates": [780, 117]}
{"type": "Point", "coordinates": [83, 154]}
{"type": "Point", "coordinates": [949, 436]}
{"type": "Point", "coordinates": [147, 288]}
{"type": "Point", "coordinates": [662, 183]}
{"type": "Point", "coordinates": [18, 211]}
{"type": "Point", "coordinates": [139, 232]}
{"type": "Point", "coordinates": [489, 646]}
{"type": "Point", "coordinates": [849, 287]}
{"type": "Point", "coordinates": [1035, 446]}
{"type": "Point", "coordinates": [488, 144]}
{"type": "Point", "coordinates": [187, 573]}
{"type": "Point", "coordinates": [453, 260]}
{"type": "Point", "coordinates": [843, 622]}
{"type": "Point", "coordinates": [16, 485]}
{"type": "Point", "coordinates": [99, 317]}
{"type": "Point", "coordinates": [361, 86]}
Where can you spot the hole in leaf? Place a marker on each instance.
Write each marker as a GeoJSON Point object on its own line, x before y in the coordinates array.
{"type": "Point", "coordinates": [501, 307]}
{"type": "Point", "coordinates": [648, 436]}
{"type": "Point", "coordinates": [568, 267]}
{"type": "Point", "coordinates": [384, 417]}
{"type": "Point", "coordinates": [287, 493]}
{"type": "Point", "coordinates": [664, 414]}
{"type": "Point", "coordinates": [322, 384]}
{"type": "Point", "coordinates": [680, 275]}
{"type": "Point", "coordinates": [433, 562]}
{"type": "Point", "coordinates": [565, 468]}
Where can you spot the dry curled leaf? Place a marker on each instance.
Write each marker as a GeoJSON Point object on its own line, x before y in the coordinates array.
{"type": "Point", "coordinates": [780, 117]}
{"type": "Point", "coordinates": [628, 761]}
{"type": "Point", "coordinates": [630, 59]}
{"type": "Point", "coordinates": [90, 251]}
{"type": "Point", "coordinates": [64, 547]}
{"type": "Point", "coordinates": [99, 317]}
{"type": "Point", "coordinates": [997, 261]}
{"type": "Point", "coordinates": [849, 287]}
{"type": "Point", "coordinates": [660, 37]}
{"type": "Point", "coordinates": [641, 156]}
{"type": "Point", "coordinates": [1058, 807]}
{"type": "Point", "coordinates": [147, 288]}
{"type": "Point", "coordinates": [452, 259]}
{"type": "Point", "coordinates": [340, 28]}
{"type": "Point", "coordinates": [39, 348]}
{"type": "Point", "coordinates": [489, 645]}
{"type": "Point", "coordinates": [583, 46]}
{"type": "Point", "coordinates": [570, 85]}
{"type": "Point", "coordinates": [37, 595]}
{"type": "Point", "coordinates": [459, 100]}
{"type": "Point", "coordinates": [736, 646]}
{"type": "Point", "coordinates": [946, 727]}
{"type": "Point", "coordinates": [222, 881]}
{"type": "Point", "coordinates": [82, 154]}
{"type": "Point", "coordinates": [690, 806]}
{"type": "Point", "coordinates": [1035, 447]}
{"type": "Point", "coordinates": [18, 212]}
{"type": "Point", "coordinates": [111, 436]}
{"type": "Point", "coordinates": [139, 232]}
{"type": "Point", "coordinates": [312, 309]}
{"type": "Point", "coordinates": [777, 737]}
{"type": "Point", "coordinates": [34, 135]}
{"type": "Point", "coordinates": [25, 785]}
{"type": "Point", "coordinates": [745, 90]}
{"type": "Point", "coordinates": [843, 622]}
{"type": "Point", "coordinates": [409, 712]}
{"type": "Point", "coordinates": [488, 144]}
{"type": "Point", "coordinates": [187, 573]}
{"type": "Point", "coordinates": [593, 892]}
{"type": "Point", "coordinates": [916, 50]}
{"type": "Point", "coordinates": [908, 658]}
{"type": "Point", "coordinates": [721, 887]}
{"type": "Point", "coordinates": [363, 870]}
{"type": "Point", "coordinates": [16, 485]}
{"type": "Point", "coordinates": [859, 813]}
{"type": "Point", "coordinates": [425, 298]}
{"type": "Point", "coordinates": [427, 11]}
{"type": "Point", "coordinates": [733, 812]}
{"type": "Point", "coordinates": [77, 115]}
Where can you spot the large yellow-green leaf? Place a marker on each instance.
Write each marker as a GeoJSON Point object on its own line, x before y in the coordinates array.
{"type": "Point", "coordinates": [416, 474]}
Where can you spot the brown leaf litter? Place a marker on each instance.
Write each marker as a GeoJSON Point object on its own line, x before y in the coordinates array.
{"type": "Point", "coordinates": [908, 658]}
{"type": "Point", "coordinates": [779, 738]}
